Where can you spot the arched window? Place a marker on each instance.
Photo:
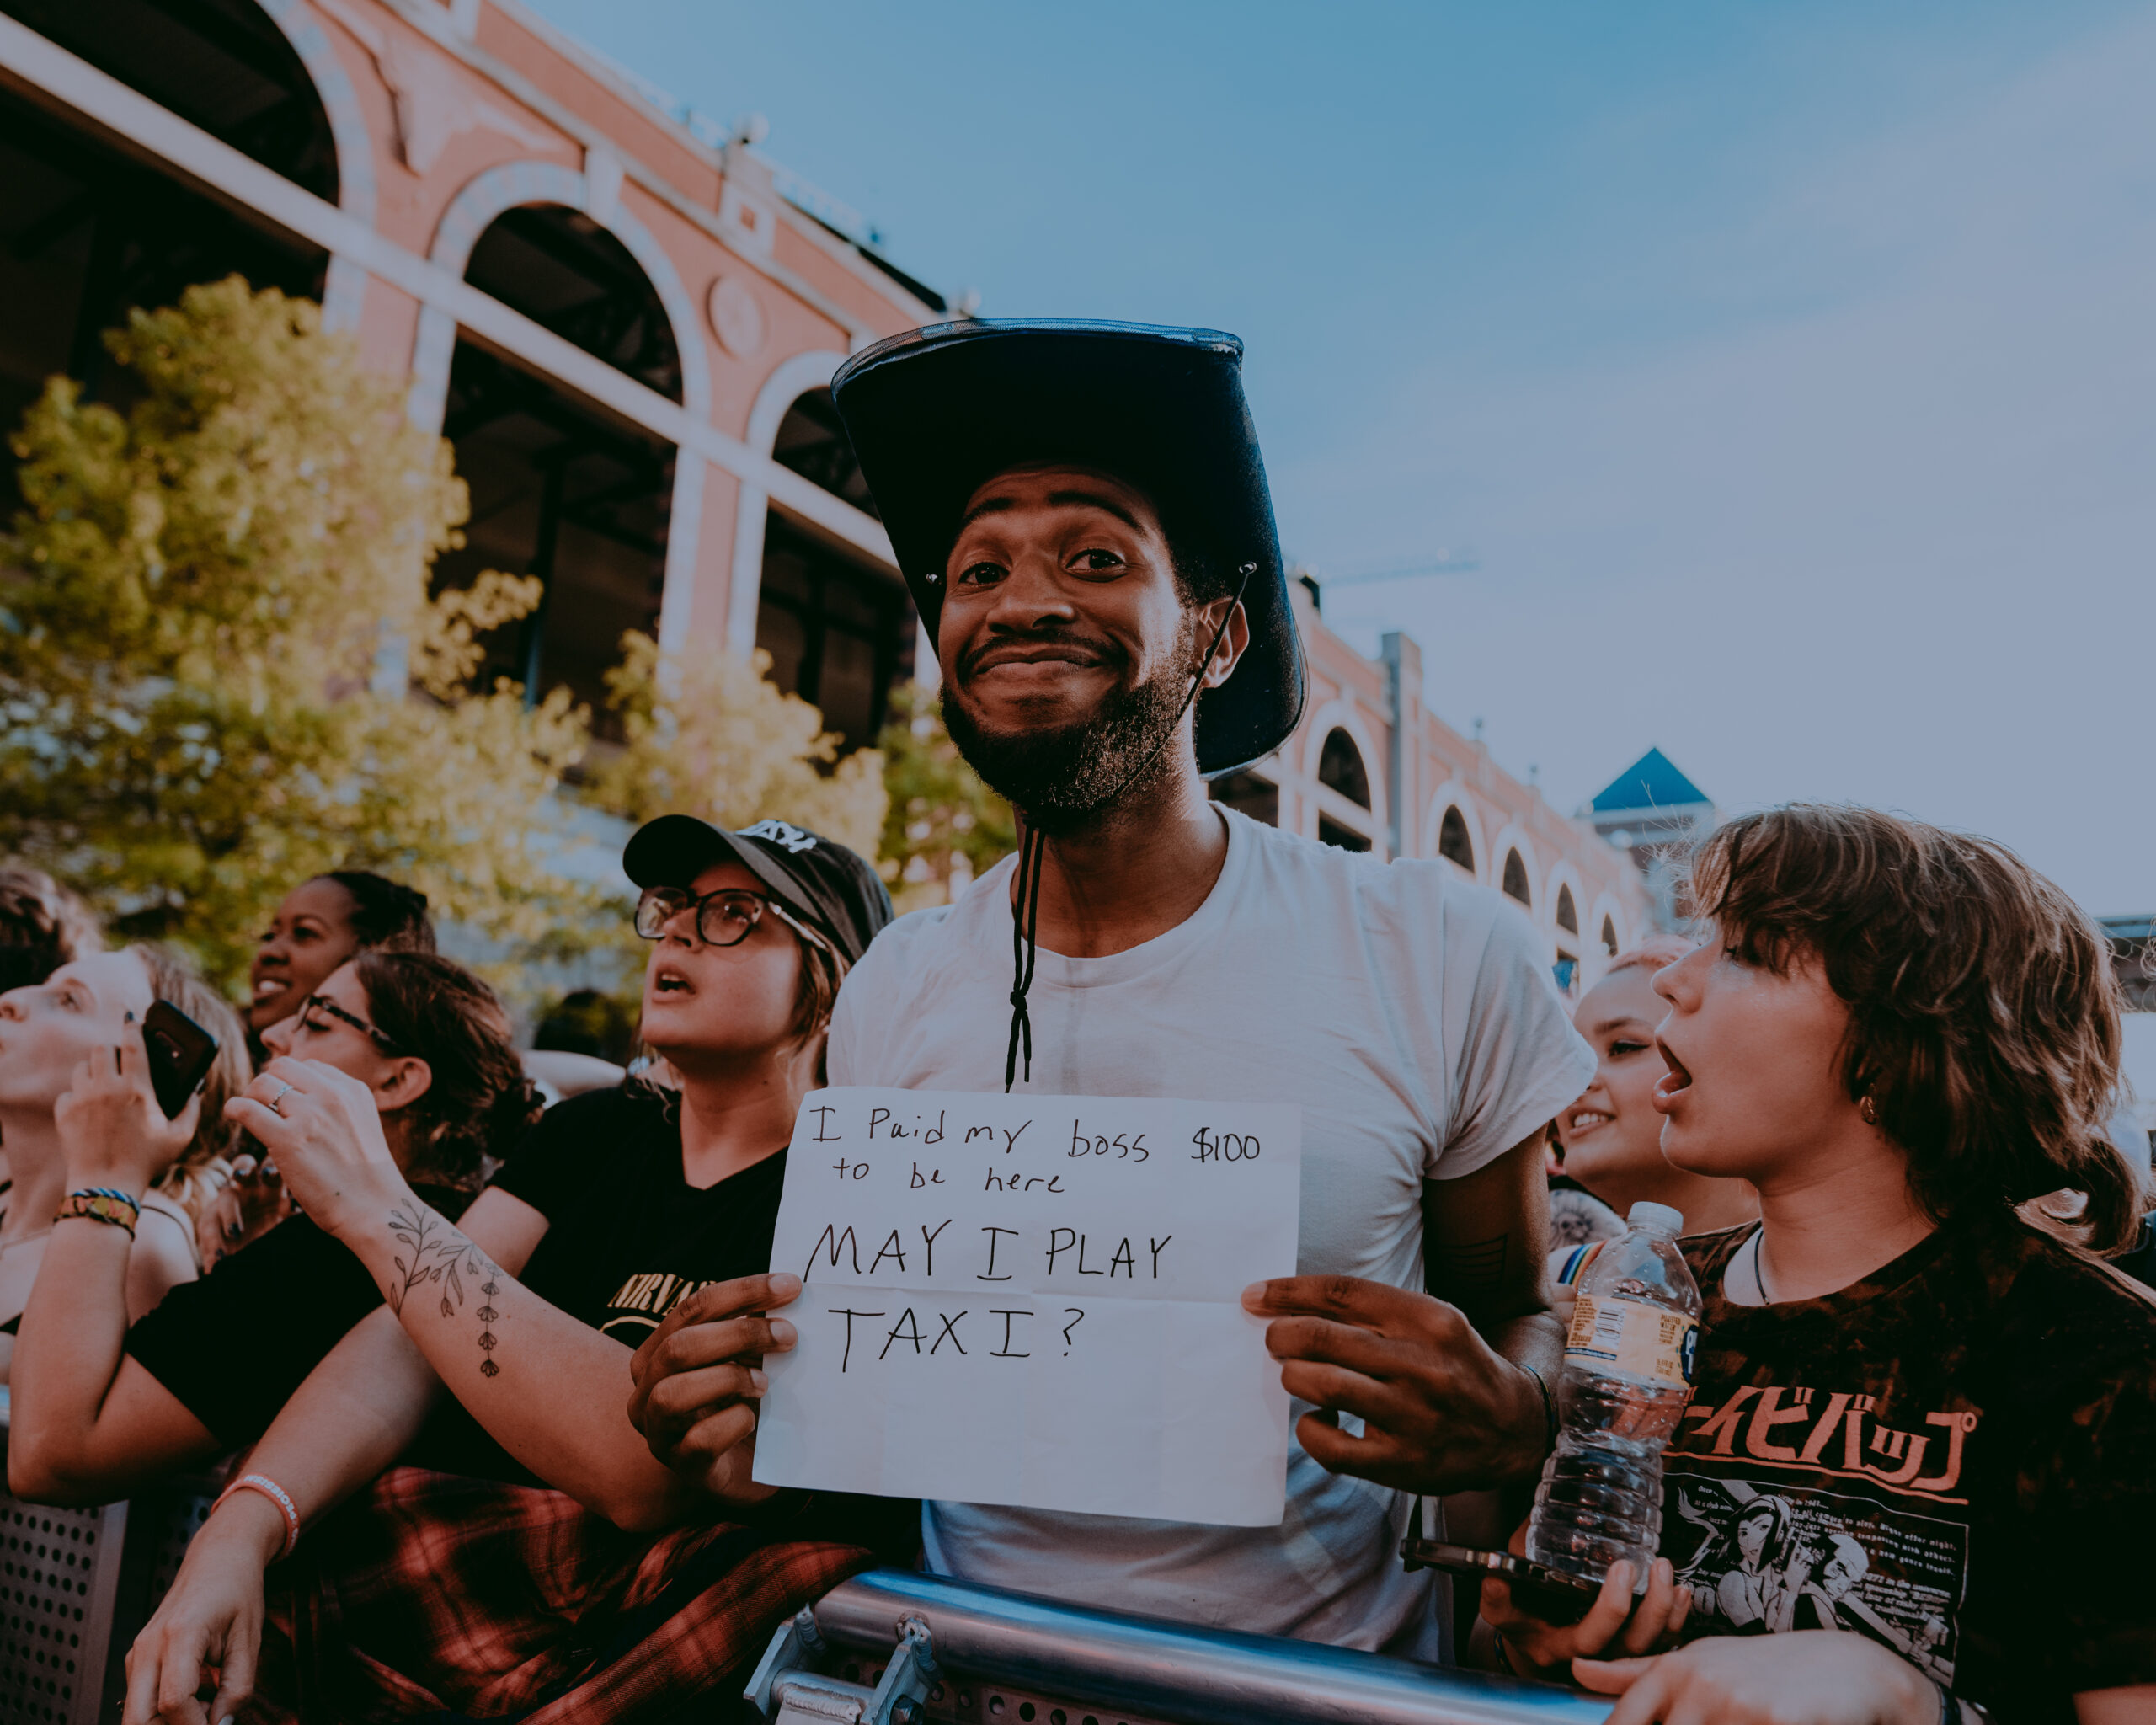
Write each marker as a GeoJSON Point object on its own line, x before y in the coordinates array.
{"type": "Point", "coordinates": [560, 489]}
{"type": "Point", "coordinates": [1609, 936]}
{"type": "Point", "coordinates": [839, 631]}
{"type": "Point", "coordinates": [1568, 917]}
{"type": "Point", "coordinates": [221, 64]}
{"type": "Point", "coordinates": [1340, 767]}
{"type": "Point", "coordinates": [1515, 879]}
{"type": "Point", "coordinates": [562, 270]}
{"type": "Point", "coordinates": [1453, 841]}
{"type": "Point", "coordinates": [94, 230]}
{"type": "Point", "coordinates": [812, 442]}
{"type": "Point", "coordinates": [839, 634]}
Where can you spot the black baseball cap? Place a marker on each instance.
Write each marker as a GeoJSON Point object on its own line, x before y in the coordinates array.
{"type": "Point", "coordinates": [935, 412]}
{"type": "Point", "coordinates": [832, 889]}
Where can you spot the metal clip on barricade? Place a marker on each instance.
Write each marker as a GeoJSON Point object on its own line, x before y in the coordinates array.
{"type": "Point", "coordinates": [786, 1691]}
{"type": "Point", "coordinates": [957, 1654]}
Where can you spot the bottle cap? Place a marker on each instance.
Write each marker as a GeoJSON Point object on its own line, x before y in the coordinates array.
{"type": "Point", "coordinates": [1656, 1218]}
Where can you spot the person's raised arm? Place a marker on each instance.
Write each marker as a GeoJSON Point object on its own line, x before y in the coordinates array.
{"type": "Point", "coordinates": [1450, 1385]}
{"type": "Point", "coordinates": [87, 1424]}
{"type": "Point", "coordinates": [355, 1414]}
{"type": "Point", "coordinates": [358, 1411]}
{"type": "Point", "coordinates": [549, 1389]}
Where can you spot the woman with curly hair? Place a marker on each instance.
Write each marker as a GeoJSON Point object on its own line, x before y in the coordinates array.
{"type": "Point", "coordinates": [1897, 1034]}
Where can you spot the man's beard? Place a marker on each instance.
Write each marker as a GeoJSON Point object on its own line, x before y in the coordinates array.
{"type": "Point", "coordinates": [1062, 776]}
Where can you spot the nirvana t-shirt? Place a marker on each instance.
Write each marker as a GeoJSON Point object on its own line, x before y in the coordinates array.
{"type": "Point", "coordinates": [1410, 1017]}
{"type": "Point", "coordinates": [1952, 1457]}
{"type": "Point", "coordinates": [234, 1345]}
{"type": "Point", "coordinates": [627, 1237]}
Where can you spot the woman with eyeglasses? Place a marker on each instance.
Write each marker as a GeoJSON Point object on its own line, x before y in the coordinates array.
{"type": "Point", "coordinates": [99, 1409]}
{"type": "Point", "coordinates": [486, 1586]}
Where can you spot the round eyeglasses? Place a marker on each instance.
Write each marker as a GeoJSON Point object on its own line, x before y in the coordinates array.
{"type": "Point", "coordinates": [725, 918]}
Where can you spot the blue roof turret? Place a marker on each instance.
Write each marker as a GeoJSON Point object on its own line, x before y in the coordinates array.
{"type": "Point", "coordinates": [1652, 782]}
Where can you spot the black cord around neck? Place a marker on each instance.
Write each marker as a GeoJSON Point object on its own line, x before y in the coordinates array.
{"type": "Point", "coordinates": [1032, 857]}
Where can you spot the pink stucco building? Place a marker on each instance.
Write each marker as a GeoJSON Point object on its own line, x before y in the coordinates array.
{"type": "Point", "coordinates": [625, 320]}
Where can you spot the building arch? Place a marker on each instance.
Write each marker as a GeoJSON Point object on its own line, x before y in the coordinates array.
{"type": "Point", "coordinates": [1513, 842]}
{"type": "Point", "coordinates": [345, 288]}
{"type": "Point", "coordinates": [840, 627]}
{"type": "Point", "coordinates": [1340, 767]}
{"type": "Point", "coordinates": [791, 379]}
{"type": "Point", "coordinates": [1454, 796]}
{"type": "Point", "coordinates": [514, 185]}
{"type": "Point", "coordinates": [1560, 888]}
{"type": "Point", "coordinates": [1334, 810]}
{"type": "Point", "coordinates": [1456, 844]}
{"type": "Point", "coordinates": [1562, 892]}
{"type": "Point", "coordinates": [101, 222]}
{"type": "Point", "coordinates": [1607, 913]}
{"type": "Point", "coordinates": [1514, 882]}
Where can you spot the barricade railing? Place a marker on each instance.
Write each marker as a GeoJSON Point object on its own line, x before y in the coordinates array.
{"type": "Point", "coordinates": [76, 1587]}
{"type": "Point", "coordinates": [893, 1647]}
{"type": "Point", "coordinates": [889, 1647]}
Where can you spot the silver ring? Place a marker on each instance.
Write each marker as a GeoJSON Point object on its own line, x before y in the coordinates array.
{"type": "Point", "coordinates": [273, 1102]}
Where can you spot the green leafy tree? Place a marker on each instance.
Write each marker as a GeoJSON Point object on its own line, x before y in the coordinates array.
{"type": "Point", "coordinates": [712, 736]}
{"type": "Point", "coordinates": [208, 610]}
{"type": "Point", "coordinates": [944, 826]}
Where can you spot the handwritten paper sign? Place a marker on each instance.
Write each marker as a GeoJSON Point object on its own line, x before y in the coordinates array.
{"type": "Point", "coordinates": [1035, 1301]}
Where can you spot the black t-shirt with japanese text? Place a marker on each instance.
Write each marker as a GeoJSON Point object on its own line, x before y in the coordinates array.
{"type": "Point", "coordinates": [627, 1237]}
{"type": "Point", "coordinates": [1953, 1457]}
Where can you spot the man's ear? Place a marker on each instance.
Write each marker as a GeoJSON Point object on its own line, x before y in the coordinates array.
{"type": "Point", "coordinates": [1226, 655]}
{"type": "Point", "coordinates": [408, 1079]}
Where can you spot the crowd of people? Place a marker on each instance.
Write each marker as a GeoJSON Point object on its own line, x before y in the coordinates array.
{"type": "Point", "coordinates": [478, 1337]}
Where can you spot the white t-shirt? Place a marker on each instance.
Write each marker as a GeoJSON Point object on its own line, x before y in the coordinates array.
{"type": "Point", "coordinates": [1414, 1022]}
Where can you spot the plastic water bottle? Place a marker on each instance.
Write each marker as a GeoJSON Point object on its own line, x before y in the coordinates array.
{"type": "Point", "coordinates": [1628, 1375]}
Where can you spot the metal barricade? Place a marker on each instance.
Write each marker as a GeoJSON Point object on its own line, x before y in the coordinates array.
{"type": "Point", "coordinates": [76, 1587]}
{"type": "Point", "coordinates": [891, 1647]}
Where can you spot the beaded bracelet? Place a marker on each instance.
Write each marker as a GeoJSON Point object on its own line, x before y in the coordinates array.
{"type": "Point", "coordinates": [276, 1494]}
{"type": "Point", "coordinates": [101, 1204]}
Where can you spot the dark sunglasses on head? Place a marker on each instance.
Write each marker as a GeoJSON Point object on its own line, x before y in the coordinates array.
{"type": "Point", "coordinates": [724, 918]}
{"type": "Point", "coordinates": [315, 1004]}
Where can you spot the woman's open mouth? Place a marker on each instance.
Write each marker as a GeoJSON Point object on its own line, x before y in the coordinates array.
{"type": "Point", "coordinates": [1586, 1120]}
{"type": "Point", "coordinates": [670, 984]}
{"type": "Point", "coordinates": [1672, 1084]}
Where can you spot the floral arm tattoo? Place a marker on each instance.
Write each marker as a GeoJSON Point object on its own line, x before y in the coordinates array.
{"type": "Point", "coordinates": [434, 1252]}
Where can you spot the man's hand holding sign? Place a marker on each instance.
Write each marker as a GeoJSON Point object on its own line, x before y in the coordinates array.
{"type": "Point", "coordinates": [1026, 1299]}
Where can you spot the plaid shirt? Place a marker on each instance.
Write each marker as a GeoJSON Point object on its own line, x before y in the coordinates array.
{"type": "Point", "coordinates": [441, 1596]}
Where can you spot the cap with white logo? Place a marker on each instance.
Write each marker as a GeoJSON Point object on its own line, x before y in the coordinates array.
{"type": "Point", "coordinates": [833, 889]}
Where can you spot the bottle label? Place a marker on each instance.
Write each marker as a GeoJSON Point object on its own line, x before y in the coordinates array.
{"type": "Point", "coordinates": [1628, 1338]}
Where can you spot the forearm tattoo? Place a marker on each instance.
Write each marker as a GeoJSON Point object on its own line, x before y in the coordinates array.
{"type": "Point", "coordinates": [440, 1255]}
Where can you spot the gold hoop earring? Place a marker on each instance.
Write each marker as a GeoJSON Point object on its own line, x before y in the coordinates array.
{"type": "Point", "coordinates": [1869, 1108]}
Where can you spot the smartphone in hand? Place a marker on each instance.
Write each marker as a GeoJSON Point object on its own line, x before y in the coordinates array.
{"type": "Point", "coordinates": [180, 1052]}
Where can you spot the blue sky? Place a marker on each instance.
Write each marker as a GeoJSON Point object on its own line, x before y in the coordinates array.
{"type": "Point", "coordinates": [1787, 369]}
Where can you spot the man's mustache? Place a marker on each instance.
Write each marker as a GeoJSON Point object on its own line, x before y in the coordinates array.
{"type": "Point", "coordinates": [1111, 655]}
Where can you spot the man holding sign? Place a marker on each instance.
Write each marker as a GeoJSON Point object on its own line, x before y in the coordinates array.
{"type": "Point", "coordinates": [1082, 517]}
